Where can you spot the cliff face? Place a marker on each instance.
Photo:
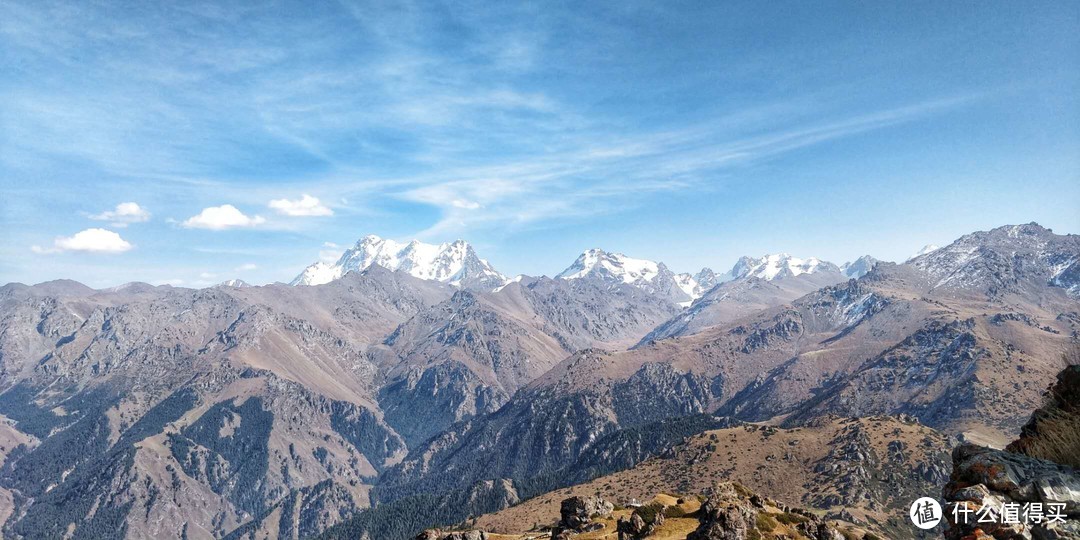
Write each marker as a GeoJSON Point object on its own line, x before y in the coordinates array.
{"type": "Point", "coordinates": [1037, 471]}
{"type": "Point", "coordinates": [1053, 432]}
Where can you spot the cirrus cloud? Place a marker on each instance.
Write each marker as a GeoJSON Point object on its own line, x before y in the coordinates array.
{"type": "Point", "coordinates": [306, 205]}
{"type": "Point", "coordinates": [221, 217]}
{"type": "Point", "coordinates": [91, 240]}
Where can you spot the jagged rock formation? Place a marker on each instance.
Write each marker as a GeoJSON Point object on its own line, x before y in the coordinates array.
{"type": "Point", "coordinates": [986, 477]}
{"type": "Point", "coordinates": [578, 515]}
{"type": "Point", "coordinates": [1023, 474]}
{"type": "Point", "coordinates": [433, 534]}
{"type": "Point", "coordinates": [732, 512]}
{"type": "Point", "coordinates": [1053, 433]}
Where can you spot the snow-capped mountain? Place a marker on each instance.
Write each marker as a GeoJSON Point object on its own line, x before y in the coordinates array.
{"type": "Point", "coordinates": [1006, 259]}
{"type": "Point", "coordinates": [239, 283]}
{"type": "Point", "coordinates": [778, 266]}
{"type": "Point", "coordinates": [455, 263]}
{"type": "Point", "coordinates": [859, 267]}
{"type": "Point", "coordinates": [614, 267]}
{"type": "Point", "coordinates": [695, 285]}
{"type": "Point", "coordinates": [928, 248]}
{"type": "Point", "coordinates": [653, 277]}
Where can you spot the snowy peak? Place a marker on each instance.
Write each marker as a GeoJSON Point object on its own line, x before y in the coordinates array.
{"type": "Point", "coordinates": [455, 263]}
{"type": "Point", "coordinates": [655, 278]}
{"type": "Point", "coordinates": [613, 267]}
{"type": "Point", "coordinates": [238, 283]}
{"type": "Point", "coordinates": [778, 266]}
{"type": "Point", "coordinates": [859, 267]}
{"type": "Point", "coordinates": [696, 285]}
{"type": "Point", "coordinates": [1009, 258]}
{"type": "Point", "coordinates": [928, 248]}
{"type": "Point", "coordinates": [706, 278]}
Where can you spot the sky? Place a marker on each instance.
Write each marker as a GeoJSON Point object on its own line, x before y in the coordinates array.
{"type": "Point", "coordinates": [188, 143]}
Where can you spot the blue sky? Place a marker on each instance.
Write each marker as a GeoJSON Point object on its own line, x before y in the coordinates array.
{"type": "Point", "coordinates": [686, 132]}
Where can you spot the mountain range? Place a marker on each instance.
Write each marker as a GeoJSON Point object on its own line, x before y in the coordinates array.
{"type": "Point", "coordinates": [457, 264]}
{"type": "Point", "coordinates": [409, 376]}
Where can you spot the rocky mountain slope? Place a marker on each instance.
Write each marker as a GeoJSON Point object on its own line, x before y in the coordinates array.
{"type": "Point", "coordinates": [859, 473]}
{"type": "Point", "coordinates": [220, 401]}
{"type": "Point", "coordinates": [1039, 468]}
{"type": "Point", "coordinates": [891, 342]}
{"type": "Point", "coordinates": [248, 402]}
{"type": "Point", "coordinates": [145, 411]}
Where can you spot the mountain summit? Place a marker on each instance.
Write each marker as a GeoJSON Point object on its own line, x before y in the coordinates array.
{"type": "Point", "coordinates": [779, 265]}
{"type": "Point", "coordinates": [613, 269]}
{"type": "Point", "coordinates": [859, 267]}
{"type": "Point", "coordinates": [455, 263]}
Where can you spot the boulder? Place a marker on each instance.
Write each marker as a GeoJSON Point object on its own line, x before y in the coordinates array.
{"type": "Point", "coordinates": [577, 515]}
{"type": "Point", "coordinates": [988, 477]}
{"type": "Point", "coordinates": [643, 521]}
{"type": "Point", "coordinates": [578, 511]}
{"type": "Point", "coordinates": [435, 534]}
{"type": "Point", "coordinates": [731, 513]}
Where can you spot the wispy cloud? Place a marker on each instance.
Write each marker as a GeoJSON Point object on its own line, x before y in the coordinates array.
{"type": "Point", "coordinates": [306, 205]}
{"type": "Point", "coordinates": [124, 214]}
{"type": "Point", "coordinates": [603, 178]}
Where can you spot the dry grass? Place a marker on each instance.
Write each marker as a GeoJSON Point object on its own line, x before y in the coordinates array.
{"type": "Point", "coordinates": [778, 466]}
{"type": "Point", "coordinates": [1053, 433]}
{"type": "Point", "coordinates": [1058, 439]}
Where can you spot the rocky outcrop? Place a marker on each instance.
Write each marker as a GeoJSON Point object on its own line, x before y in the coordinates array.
{"type": "Point", "coordinates": [643, 522]}
{"type": "Point", "coordinates": [1053, 432]}
{"type": "Point", "coordinates": [578, 515]}
{"type": "Point", "coordinates": [434, 534]}
{"type": "Point", "coordinates": [1035, 471]}
{"type": "Point", "coordinates": [733, 512]}
{"type": "Point", "coordinates": [983, 477]}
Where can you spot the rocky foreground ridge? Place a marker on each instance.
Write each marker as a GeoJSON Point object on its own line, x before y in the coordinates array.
{"type": "Point", "coordinates": [727, 511]}
{"type": "Point", "coordinates": [854, 492]}
{"type": "Point", "coordinates": [1037, 471]}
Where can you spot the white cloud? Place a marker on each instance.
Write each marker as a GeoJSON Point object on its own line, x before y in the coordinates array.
{"type": "Point", "coordinates": [305, 206]}
{"type": "Point", "coordinates": [467, 205]}
{"type": "Point", "coordinates": [93, 240]}
{"type": "Point", "coordinates": [221, 217]}
{"type": "Point", "coordinates": [247, 267]}
{"type": "Point", "coordinates": [123, 214]}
